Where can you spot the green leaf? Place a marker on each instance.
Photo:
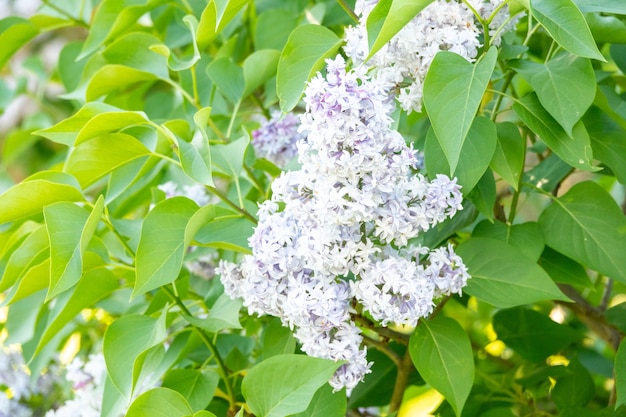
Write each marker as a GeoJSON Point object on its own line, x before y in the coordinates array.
{"type": "Point", "coordinates": [526, 237]}
{"type": "Point", "coordinates": [160, 402]}
{"type": "Point", "coordinates": [198, 387]}
{"type": "Point", "coordinates": [483, 196]}
{"type": "Point", "coordinates": [135, 50]}
{"type": "Point", "coordinates": [285, 384]}
{"type": "Point", "coordinates": [455, 86]}
{"type": "Point", "coordinates": [223, 315]}
{"type": "Point", "coordinates": [587, 225]}
{"type": "Point", "coordinates": [31, 195]}
{"type": "Point", "coordinates": [31, 251]}
{"type": "Point", "coordinates": [610, 148]}
{"type": "Point", "coordinates": [195, 156]}
{"type": "Point", "coordinates": [273, 28]}
{"type": "Point", "coordinates": [277, 339]}
{"type": "Point", "coordinates": [564, 270]}
{"type": "Point", "coordinates": [229, 158]}
{"type": "Point", "coordinates": [15, 32]}
{"type": "Point", "coordinates": [216, 15]}
{"type": "Point", "coordinates": [387, 18]}
{"type": "Point", "coordinates": [442, 354]}
{"type": "Point", "coordinates": [165, 235]}
{"type": "Point", "coordinates": [325, 403]}
{"type": "Point", "coordinates": [228, 78]}
{"type": "Point", "coordinates": [508, 158]}
{"type": "Point", "coordinates": [565, 86]}
{"type": "Point", "coordinates": [502, 276]}
{"type": "Point", "coordinates": [548, 174]}
{"type": "Point", "coordinates": [531, 334]}
{"type": "Point", "coordinates": [96, 284]}
{"type": "Point", "coordinates": [173, 62]}
{"type": "Point", "coordinates": [110, 121]}
{"type": "Point", "coordinates": [124, 341]}
{"type": "Point", "coordinates": [70, 228]}
{"type": "Point", "coordinates": [307, 48]}
{"type": "Point", "coordinates": [566, 24]}
{"type": "Point", "coordinates": [112, 19]}
{"type": "Point", "coordinates": [98, 156]}
{"type": "Point", "coordinates": [620, 375]}
{"type": "Point", "coordinates": [576, 389]}
{"type": "Point", "coordinates": [604, 6]}
{"type": "Point", "coordinates": [259, 67]}
{"type": "Point", "coordinates": [575, 150]}
{"type": "Point", "coordinates": [66, 131]}
{"type": "Point", "coordinates": [616, 316]}
{"type": "Point", "coordinates": [475, 154]}
{"type": "Point", "coordinates": [114, 78]}
{"type": "Point", "coordinates": [606, 29]}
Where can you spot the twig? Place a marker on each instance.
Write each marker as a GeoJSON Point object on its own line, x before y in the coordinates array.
{"type": "Point", "coordinates": [404, 370]}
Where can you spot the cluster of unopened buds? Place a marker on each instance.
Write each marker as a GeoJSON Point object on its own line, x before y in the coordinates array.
{"type": "Point", "coordinates": [335, 237]}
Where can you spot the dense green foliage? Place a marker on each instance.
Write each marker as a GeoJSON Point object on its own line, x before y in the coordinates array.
{"type": "Point", "coordinates": [534, 130]}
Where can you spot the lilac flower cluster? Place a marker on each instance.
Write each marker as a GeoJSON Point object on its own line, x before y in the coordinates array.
{"type": "Point", "coordinates": [276, 139]}
{"type": "Point", "coordinates": [401, 65]}
{"type": "Point", "coordinates": [335, 233]}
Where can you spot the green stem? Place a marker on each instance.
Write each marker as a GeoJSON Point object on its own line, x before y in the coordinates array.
{"type": "Point", "coordinates": [71, 18]}
{"type": "Point", "coordinates": [231, 124]}
{"type": "Point", "coordinates": [254, 179]}
{"type": "Point", "coordinates": [223, 370]}
{"type": "Point", "coordinates": [348, 10]}
{"type": "Point", "coordinates": [513, 210]}
{"type": "Point", "coordinates": [383, 347]}
{"type": "Point", "coordinates": [194, 83]}
{"type": "Point", "coordinates": [500, 97]}
{"type": "Point", "coordinates": [226, 200]}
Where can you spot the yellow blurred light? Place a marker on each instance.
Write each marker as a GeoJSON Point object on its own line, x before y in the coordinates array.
{"type": "Point", "coordinates": [555, 360]}
{"type": "Point", "coordinates": [70, 349]}
{"type": "Point", "coordinates": [422, 405]}
{"type": "Point", "coordinates": [495, 348]}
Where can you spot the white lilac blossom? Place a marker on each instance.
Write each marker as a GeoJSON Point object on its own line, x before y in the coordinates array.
{"type": "Point", "coordinates": [276, 138]}
{"type": "Point", "coordinates": [194, 192]}
{"type": "Point", "coordinates": [335, 233]}
{"type": "Point", "coordinates": [401, 65]}
{"type": "Point", "coordinates": [13, 372]}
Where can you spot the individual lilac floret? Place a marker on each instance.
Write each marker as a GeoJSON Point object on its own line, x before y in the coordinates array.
{"type": "Point", "coordinates": [276, 139]}
{"type": "Point", "coordinates": [401, 65]}
{"type": "Point", "coordinates": [329, 236]}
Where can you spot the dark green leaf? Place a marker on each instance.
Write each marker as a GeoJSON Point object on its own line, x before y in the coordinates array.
{"type": "Point", "coordinates": [526, 237]}
{"type": "Point", "coordinates": [564, 270]}
{"type": "Point", "coordinates": [508, 158]}
{"type": "Point", "coordinates": [576, 389]}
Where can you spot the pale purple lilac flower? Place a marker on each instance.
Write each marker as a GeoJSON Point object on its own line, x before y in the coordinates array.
{"type": "Point", "coordinates": [276, 138]}
{"type": "Point", "coordinates": [331, 233]}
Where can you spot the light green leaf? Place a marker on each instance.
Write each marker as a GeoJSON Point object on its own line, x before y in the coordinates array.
{"type": "Point", "coordinates": [531, 334]}
{"type": "Point", "coordinates": [307, 48]}
{"type": "Point", "coordinates": [227, 77]}
{"type": "Point", "coordinates": [387, 18]}
{"type": "Point", "coordinates": [565, 86]}
{"type": "Point", "coordinates": [475, 154]}
{"type": "Point", "coordinates": [113, 18]}
{"type": "Point", "coordinates": [508, 158]}
{"type": "Point", "coordinates": [160, 402]}
{"type": "Point", "coordinates": [566, 24]}
{"type": "Point", "coordinates": [198, 387]}
{"type": "Point", "coordinates": [15, 32]}
{"type": "Point", "coordinates": [66, 131]}
{"type": "Point", "coordinates": [606, 29]}
{"type": "Point", "coordinates": [575, 150]}
{"type": "Point", "coordinates": [70, 228]}
{"type": "Point", "coordinates": [604, 6]}
{"type": "Point", "coordinates": [124, 341]}
{"type": "Point", "coordinates": [453, 86]}
{"type": "Point", "coordinates": [173, 62]}
{"type": "Point", "coordinates": [224, 314]}
{"type": "Point", "coordinates": [526, 237]}
{"type": "Point", "coordinates": [285, 384]}
{"type": "Point", "coordinates": [587, 225]}
{"type": "Point", "coordinates": [229, 158]}
{"type": "Point", "coordinates": [98, 156]}
{"type": "Point", "coordinates": [325, 403]}
{"type": "Point", "coordinates": [134, 51]}
{"type": "Point", "coordinates": [273, 28]}
{"type": "Point", "coordinates": [96, 284]}
{"type": "Point", "coordinates": [34, 249]}
{"type": "Point", "coordinates": [108, 122]}
{"type": "Point", "coordinates": [31, 195]}
{"type": "Point", "coordinates": [259, 67]}
{"type": "Point", "coordinates": [277, 339]}
{"type": "Point", "coordinates": [113, 78]}
{"type": "Point", "coordinates": [442, 353]}
{"type": "Point", "coordinates": [216, 15]}
{"type": "Point", "coordinates": [503, 276]}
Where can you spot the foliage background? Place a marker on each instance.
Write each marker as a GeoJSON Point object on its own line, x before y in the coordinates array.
{"type": "Point", "coordinates": [105, 100]}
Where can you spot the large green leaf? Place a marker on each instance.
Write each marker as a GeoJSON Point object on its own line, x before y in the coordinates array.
{"type": "Point", "coordinates": [15, 32]}
{"type": "Point", "coordinates": [98, 156]}
{"type": "Point", "coordinates": [31, 195]}
{"type": "Point", "coordinates": [196, 386]}
{"type": "Point", "coordinates": [531, 334]}
{"type": "Point", "coordinates": [136, 50]}
{"type": "Point", "coordinates": [508, 158]}
{"type": "Point", "coordinates": [174, 62]}
{"type": "Point", "coordinates": [564, 270]}
{"type": "Point", "coordinates": [285, 384]}
{"type": "Point", "coordinates": [454, 86]}
{"type": "Point", "coordinates": [216, 15]}
{"type": "Point", "coordinates": [70, 228]}
{"type": "Point", "coordinates": [387, 18]}
{"type": "Point", "coordinates": [575, 149]}
{"type": "Point", "coordinates": [587, 225]}
{"type": "Point", "coordinates": [160, 402]}
{"type": "Point", "coordinates": [565, 86]}
{"type": "Point", "coordinates": [227, 77]}
{"type": "Point", "coordinates": [610, 148]}
{"type": "Point", "coordinates": [224, 314]}
{"type": "Point", "coordinates": [113, 18]}
{"type": "Point", "coordinates": [526, 237]}
{"type": "Point", "coordinates": [114, 78]}
{"type": "Point", "coordinates": [307, 48]}
{"type": "Point", "coordinates": [325, 403]}
{"type": "Point", "coordinates": [124, 341]}
{"type": "Point", "coordinates": [476, 153]}
{"type": "Point", "coordinates": [259, 67]}
{"type": "Point", "coordinates": [604, 6]}
{"type": "Point", "coordinates": [503, 276]}
{"type": "Point", "coordinates": [442, 353]}
{"type": "Point", "coordinates": [165, 235]}
{"type": "Point", "coordinates": [566, 24]}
